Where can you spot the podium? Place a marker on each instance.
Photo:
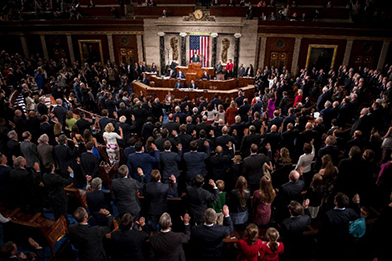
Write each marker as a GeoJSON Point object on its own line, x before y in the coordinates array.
{"type": "Point", "coordinates": [194, 71]}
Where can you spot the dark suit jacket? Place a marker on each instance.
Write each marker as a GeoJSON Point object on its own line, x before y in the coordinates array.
{"type": "Point", "coordinates": [128, 151]}
{"type": "Point", "coordinates": [198, 199]}
{"type": "Point", "coordinates": [45, 153]}
{"type": "Point", "coordinates": [60, 112]}
{"type": "Point", "coordinates": [29, 152]}
{"type": "Point", "coordinates": [54, 183]}
{"type": "Point", "coordinates": [23, 185]}
{"type": "Point", "coordinates": [83, 125]}
{"type": "Point", "coordinates": [4, 182]}
{"type": "Point", "coordinates": [208, 239]}
{"type": "Point", "coordinates": [291, 191]}
{"type": "Point", "coordinates": [103, 122]}
{"type": "Point", "coordinates": [170, 126]}
{"type": "Point", "coordinates": [89, 240]}
{"type": "Point", "coordinates": [14, 148]}
{"type": "Point", "coordinates": [168, 246]}
{"type": "Point", "coordinates": [253, 168]}
{"type": "Point", "coordinates": [96, 200]}
{"type": "Point", "coordinates": [89, 164]}
{"type": "Point", "coordinates": [128, 245]}
{"type": "Point", "coordinates": [169, 165]}
{"type": "Point", "coordinates": [123, 192]}
{"type": "Point", "coordinates": [64, 158]}
{"type": "Point", "coordinates": [247, 141]}
{"type": "Point", "coordinates": [219, 164]}
{"type": "Point", "coordinates": [185, 140]}
{"type": "Point", "coordinates": [156, 194]}
{"type": "Point", "coordinates": [143, 161]}
{"type": "Point", "coordinates": [224, 140]}
{"type": "Point", "coordinates": [195, 164]}
{"type": "Point", "coordinates": [47, 128]}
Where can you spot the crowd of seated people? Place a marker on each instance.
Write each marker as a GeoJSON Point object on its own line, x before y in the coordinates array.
{"type": "Point", "coordinates": [265, 166]}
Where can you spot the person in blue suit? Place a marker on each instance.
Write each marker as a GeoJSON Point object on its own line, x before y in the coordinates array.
{"type": "Point", "coordinates": [169, 161]}
{"type": "Point", "coordinates": [195, 161]}
{"type": "Point", "coordinates": [142, 160]}
{"type": "Point", "coordinates": [180, 75]}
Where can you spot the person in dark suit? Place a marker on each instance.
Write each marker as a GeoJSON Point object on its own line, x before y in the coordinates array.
{"type": "Point", "coordinates": [334, 232]}
{"type": "Point", "coordinates": [178, 85]}
{"type": "Point", "coordinates": [288, 138]}
{"type": "Point", "coordinates": [4, 178]}
{"type": "Point", "coordinates": [277, 120]}
{"type": "Point", "coordinates": [29, 150]}
{"type": "Point", "coordinates": [305, 137]}
{"type": "Point", "coordinates": [123, 192]}
{"type": "Point", "coordinates": [185, 138]}
{"type": "Point", "coordinates": [60, 111]}
{"type": "Point", "coordinates": [356, 140]}
{"type": "Point", "coordinates": [330, 149]}
{"type": "Point", "coordinates": [145, 79]}
{"type": "Point", "coordinates": [219, 68]}
{"type": "Point", "coordinates": [198, 198]}
{"type": "Point", "coordinates": [283, 104]}
{"type": "Point", "coordinates": [64, 156]}
{"type": "Point", "coordinates": [167, 245]}
{"type": "Point", "coordinates": [293, 228]}
{"type": "Point", "coordinates": [205, 76]}
{"type": "Point", "coordinates": [156, 194]}
{"type": "Point", "coordinates": [130, 149]}
{"type": "Point", "coordinates": [104, 120]}
{"type": "Point", "coordinates": [13, 145]}
{"type": "Point", "coordinates": [179, 117]}
{"type": "Point", "coordinates": [180, 75]}
{"type": "Point", "coordinates": [129, 243]}
{"type": "Point", "coordinates": [194, 161]}
{"type": "Point", "coordinates": [55, 183]}
{"type": "Point", "coordinates": [253, 167]}
{"type": "Point", "coordinates": [84, 123]}
{"type": "Point", "coordinates": [207, 238]}
{"type": "Point", "coordinates": [195, 58]}
{"type": "Point", "coordinates": [289, 191]}
{"type": "Point", "coordinates": [237, 129]}
{"type": "Point", "coordinates": [89, 162]}
{"type": "Point", "coordinates": [24, 185]}
{"type": "Point", "coordinates": [364, 123]}
{"type": "Point", "coordinates": [169, 161]}
{"type": "Point", "coordinates": [291, 117]}
{"type": "Point", "coordinates": [325, 96]}
{"type": "Point", "coordinates": [193, 85]}
{"type": "Point", "coordinates": [97, 200]}
{"type": "Point", "coordinates": [248, 140]}
{"type": "Point", "coordinates": [142, 160]}
{"type": "Point", "coordinates": [327, 114]}
{"type": "Point", "coordinates": [45, 151]}
{"type": "Point", "coordinates": [273, 138]}
{"type": "Point", "coordinates": [171, 124]}
{"type": "Point", "coordinates": [89, 240]}
{"type": "Point", "coordinates": [221, 162]}
{"type": "Point", "coordinates": [344, 113]}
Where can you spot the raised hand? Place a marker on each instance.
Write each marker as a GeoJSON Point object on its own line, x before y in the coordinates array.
{"type": "Point", "coordinates": [225, 210]}
{"type": "Point", "coordinates": [185, 219]}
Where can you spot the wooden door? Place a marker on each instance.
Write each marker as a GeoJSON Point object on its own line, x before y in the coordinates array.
{"type": "Point", "coordinates": [126, 54]}
{"type": "Point", "coordinates": [278, 59]}
{"type": "Point", "coordinates": [363, 61]}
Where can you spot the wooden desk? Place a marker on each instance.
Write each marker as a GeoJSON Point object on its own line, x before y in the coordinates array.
{"type": "Point", "coordinates": [157, 11]}
{"type": "Point", "coordinates": [238, 11]}
{"type": "Point", "coordinates": [160, 92]}
{"type": "Point", "coordinates": [195, 70]}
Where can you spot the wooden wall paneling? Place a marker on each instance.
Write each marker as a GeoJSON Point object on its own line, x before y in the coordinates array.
{"type": "Point", "coordinates": [123, 43]}
{"type": "Point", "coordinates": [305, 42]}
{"type": "Point", "coordinates": [388, 59]}
{"type": "Point", "coordinates": [104, 44]}
{"type": "Point", "coordinates": [365, 54]}
{"type": "Point", "coordinates": [57, 46]}
{"type": "Point", "coordinates": [280, 47]}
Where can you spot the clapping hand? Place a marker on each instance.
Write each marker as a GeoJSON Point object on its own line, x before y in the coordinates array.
{"type": "Point", "coordinates": [140, 171]}
{"type": "Point", "coordinates": [185, 219]}
{"type": "Point", "coordinates": [173, 178]}
{"type": "Point", "coordinates": [225, 211]}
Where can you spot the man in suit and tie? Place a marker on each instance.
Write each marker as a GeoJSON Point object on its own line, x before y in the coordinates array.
{"type": "Point", "coordinates": [145, 79]}
{"type": "Point", "coordinates": [97, 200]}
{"type": "Point", "coordinates": [198, 198]}
{"type": "Point", "coordinates": [128, 242]}
{"type": "Point", "coordinates": [64, 155]}
{"type": "Point", "coordinates": [193, 85]}
{"type": "Point", "coordinates": [208, 237]}
{"type": "Point", "coordinates": [194, 161]}
{"type": "Point", "coordinates": [224, 139]}
{"type": "Point", "coordinates": [156, 194]}
{"type": "Point", "coordinates": [205, 76]}
{"type": "Point", "coordinates": [89, 240]}
{"type": "Point", "coordinates": [60, 111]}
{"type": "Point", "coordinates": [218, 69]}
{"type": "Point", "coordinates": [180, 75]}
{"type": "Point", "coordinates": [220, 162]}
{"type": "Point", "coordinates": [178, 85]}
{"type": "Point", "coordinates": [325, 96]}
{"type": "Point", "coordinates": [142, 160]}
{"type": "Point", "coordinates": [89, 162]}
{"type": "Point", "coordinates": [253, 167]}
{"type": "Point", "coordinates": [195, 58]}
{"type": "Point", "coordinates": [169, 161]}
{"type": "Point", "coordinates": [45, 151]}
{"type": "Point", "coordinates": [13, 145]}
{"type": "Point", "coordinates": [248, 140]}
{"type": "Point", "coordinates": [55, 183]}
{"type": "Point", "coordinates": [124, 192]}
{"type": "Point", "coordinates": [29, 150]}
{"type": "Point", "coordinates": [167, 245]}
{"type": "Point", "coordinates": [241, 70]}
{"type": "Point", "coordinates": [104, 120]}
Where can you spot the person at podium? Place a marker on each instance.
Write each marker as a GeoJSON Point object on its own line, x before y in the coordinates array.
{"type": "Point", "coordinates": [229, 69]}
{"type": "Point", "coordinates": [219, 71]}
{"type": "Point", "coordinates": [195, 58]}
{"type": "Point", "coordinates": [180, 75]}
{"type": "Point", "coordinates": [205, 76]}
{"type": "Point", "coordinates": [178, 85]}
{"type": "Point", "coordinates": [193, 85]}
{"type": "Point", "coordinates": [145, 79]}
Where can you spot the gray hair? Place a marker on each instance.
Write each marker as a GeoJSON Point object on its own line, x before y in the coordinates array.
{"type": "Point", "coordinates": [96, 183]}
{"type": "Point", "coordinates": [165, 221]}
{"type": "Point", "coordinates": [177, 109]}
{"type": "Point", "coordinates": [237, 118]}
{"type": "Point", "coordinates": [44, 138]}
{"type": "Point", "coordinates": [195, 110]}
{"type": "Point", "coordinates": [11, 134]}
{"type": "Point", "coordinates": [210, 216]}
{"type": "Point", "coordinates": [123, 119]}
{"type": "Point", "coordinates": [18, 162]}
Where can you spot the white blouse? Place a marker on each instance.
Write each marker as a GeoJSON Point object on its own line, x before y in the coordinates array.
{"type": "Point", "coordinates": [111, 137]}
{"type": "Point", "coordinates": [305, 161]}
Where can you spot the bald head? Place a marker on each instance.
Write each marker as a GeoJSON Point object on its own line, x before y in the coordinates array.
{"type": "Point", "coordinates": [274, 128]}
{"type": "Point", "coordinates": [294, 176]}
{"type": "Point", "coordinates": [308, 126]}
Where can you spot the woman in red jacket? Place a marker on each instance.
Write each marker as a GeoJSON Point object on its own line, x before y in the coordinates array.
{"type": "Point", "coordinates": [298, 98]}
{"type": "Point", "coordinates": [249, 246]}
{"type": "Point", "coordinates": [271, 249]}
{"type": "Point", "coordinates": [230, 113]}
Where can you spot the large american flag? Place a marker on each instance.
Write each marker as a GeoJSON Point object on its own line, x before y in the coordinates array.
{"type": "Point", "coordinates": [200, 44]}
